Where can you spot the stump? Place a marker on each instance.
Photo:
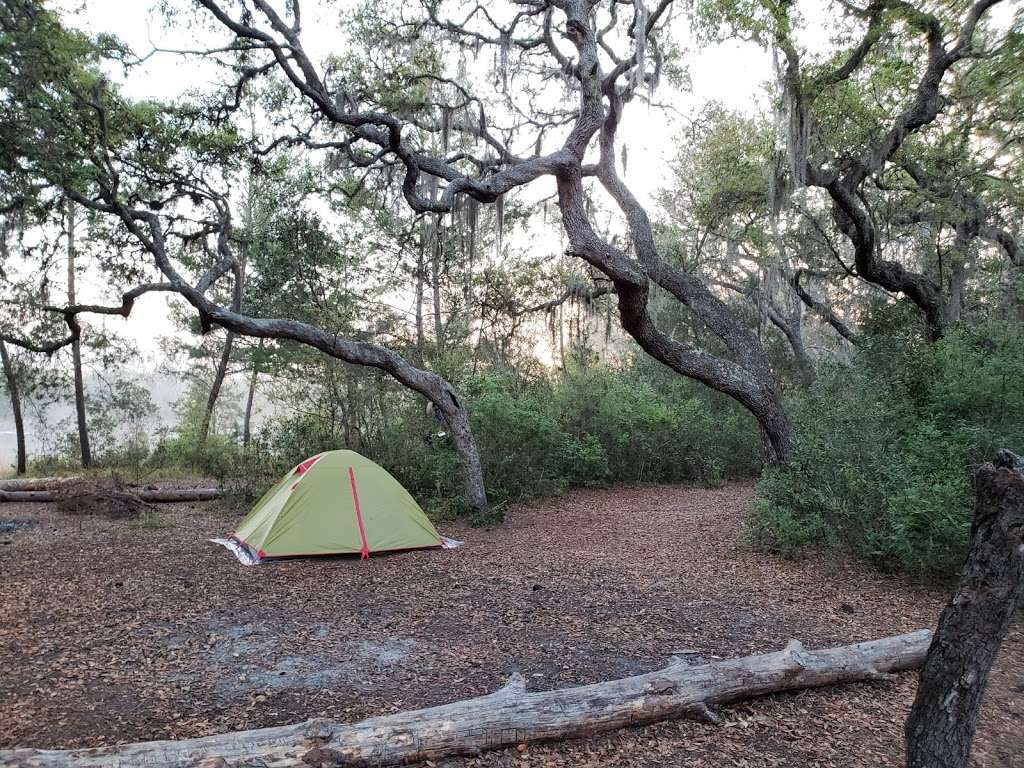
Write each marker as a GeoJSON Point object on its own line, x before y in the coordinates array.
{"type": "Point", "coordinates": [941, 724]}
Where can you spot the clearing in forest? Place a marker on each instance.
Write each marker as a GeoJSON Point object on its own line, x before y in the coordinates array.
{"type": "Point", "coordinates": [110, 633]}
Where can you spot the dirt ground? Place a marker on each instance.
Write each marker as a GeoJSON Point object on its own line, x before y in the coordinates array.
{"type": "Point", "coordinates": [112, 633]}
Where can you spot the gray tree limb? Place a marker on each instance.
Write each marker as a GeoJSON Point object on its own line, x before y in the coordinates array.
{"type": "Point", "coordinates": [509, 716]}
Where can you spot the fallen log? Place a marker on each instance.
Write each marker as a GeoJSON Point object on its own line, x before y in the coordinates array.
{"type": "Point", "coordinates": [35, 483]}
{"type": "Point", "coordinates": [148, 495]}
{"type": "Point", "coordinates": [510, 716]}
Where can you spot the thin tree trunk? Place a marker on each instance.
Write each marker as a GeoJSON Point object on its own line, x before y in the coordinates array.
{"type": "Point", "coordinates": [420, 266]}
{"type": "Point", "coordinates": [435, 268]}
{"type": "Point", "coordinates": [511, 715]}
{"type": "Point", "coordinates": [561, 339]}
{"type": "Point", "coordinates": [76, 347]}
{"type": "Point", "coordinates": [15, 394]}
{"type": "Point", "coordinates": [792, 329]}
{"type": "Point", "coordinates": [958, 271]}
{"type": "Point", "coordinates": [225, 357]}
{"type": "Point", "coordinates": [972, 626]}
{"type": "Point", "coordinates": [247, 421]}
{"type": "Point", "coordinates": [823, 310]}
{"type": "Point", "coordinates": [216, 386]}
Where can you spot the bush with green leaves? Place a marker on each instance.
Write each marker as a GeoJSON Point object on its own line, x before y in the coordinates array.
{"type": "Point", "coordinates": [536, 436]}
{"type": "Point", "coordinates": [888, 445]}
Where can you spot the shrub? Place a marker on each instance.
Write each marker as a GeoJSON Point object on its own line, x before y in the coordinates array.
{"type": "Point", "coordinates": [887, 446]}
{"type": "Point", "coordinates": [536, 435]}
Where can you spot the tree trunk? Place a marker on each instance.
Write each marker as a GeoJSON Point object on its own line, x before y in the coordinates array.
{"type": "Point", "coordinates": [15, 394]}
{"type": "Point", "coordinates": [792, 329]}
{"type": "Point", "coordinates": [462, 437]}
{"type": "Point", "coordinates": [823, 310]}
{"type": "Point", "coordinates": [418, 294]}
{"type": "Point", "coordinates": [435, 269]}
{"type": "Point", "coordinates": [748, 379]}
{"type": "Point", "coordinates": [958, 270]}
{"type": "Point", "coordinates": [745, 376]}
{"type": "Point", "coordinates": [972, 626]}
{"type": "Point", "coordinates": [143, 494]}
{"type": "Point", "coordinates": [247, 421]}
{"type": "Point", "coordinates": [76, 348]}
{"type": "Point", "coordinates": [215, 387]}
{"type": "Point", "coordinates": [511, 716]}
{"type": "Point", "coordinates": [35, 483]}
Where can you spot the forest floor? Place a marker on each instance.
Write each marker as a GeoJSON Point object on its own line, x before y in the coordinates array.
{"type": "Point", "coordinates": [112, 633]}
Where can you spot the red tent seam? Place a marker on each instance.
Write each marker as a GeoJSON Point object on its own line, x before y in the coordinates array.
{"type": "Point", "coordinates": [365, 551]}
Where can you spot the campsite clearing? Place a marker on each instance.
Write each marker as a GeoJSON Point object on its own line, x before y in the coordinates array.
{"type": "Point", "coordinates": [110, 633]}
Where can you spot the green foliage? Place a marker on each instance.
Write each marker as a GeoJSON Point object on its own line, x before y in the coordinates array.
{"type": "Point", "coordinates": [535, 437]}
{"type": "Point", "coordinates": [720, 171]}
{"type": "Point", "coordinates": [183, 447]}
{"type": "Point", "coordinates": [888, 445]}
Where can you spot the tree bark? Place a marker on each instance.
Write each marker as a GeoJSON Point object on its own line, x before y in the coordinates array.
{"type": "Point", "coordinates": [511, 715]}
{"type": "Point", "coordinates": [792, 329]}
{"type": "Point", "coordinates": [215, 387]}
{"type": "Point", "coordinates": [76, 347]}
{"type": "Point", "coordinates": [251, 397]}
{"type": "Point", "coordinates": [14, 392]}
{"type": "Point", "coordinates": [972, 626]}
{"type": "Point", "coordinates": [35, 483]}
{"type": "Point", "coordinates": [418, 298]}
{"type": "Point", "coordinates": [435, 275]}
{"type": "Point", "coordinates": [169, 495]}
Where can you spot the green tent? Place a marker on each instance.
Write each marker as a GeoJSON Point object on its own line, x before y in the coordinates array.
{"type": "Point", "coordinates": [336, 502]}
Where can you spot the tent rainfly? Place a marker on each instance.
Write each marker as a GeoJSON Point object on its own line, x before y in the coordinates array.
{"type": "Point", "coordinates": [334, 503]}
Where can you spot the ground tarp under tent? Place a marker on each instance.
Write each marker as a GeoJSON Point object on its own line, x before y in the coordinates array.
{"type": "Point", "coordinates": [334, 503]}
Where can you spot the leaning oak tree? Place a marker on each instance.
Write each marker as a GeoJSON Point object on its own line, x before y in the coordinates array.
{"type": "Point", "coordinates": [614, 54]}
{"type": "Point", "coordinates": [607, 55]}
{"type": "Point", "coordinates": [846, 166]}
{"type": "Point", "coordinates": [162, 172]}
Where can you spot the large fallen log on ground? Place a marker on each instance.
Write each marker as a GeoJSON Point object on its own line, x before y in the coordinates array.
{"type": "Point", "coordinates": [35, 483]}
{"type": "Point", "coordinates": [509, 716]}
{"type": "Point", "coordinates": [148, 495]}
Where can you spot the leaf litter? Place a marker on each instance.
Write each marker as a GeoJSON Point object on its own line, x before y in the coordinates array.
{"type": "Point", "coordinates": [110, 634]}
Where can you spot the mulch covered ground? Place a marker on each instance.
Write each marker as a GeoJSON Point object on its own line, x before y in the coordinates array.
{"type": "Point", "coordinates": [112, 633]}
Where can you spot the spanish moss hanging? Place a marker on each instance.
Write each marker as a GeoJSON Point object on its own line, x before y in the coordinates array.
{"type": "Point", "coordinates": [640, 36]}
{"type": "Point", "coordinates": [446, 119]}
{"type": "Point", "coordinates": [505, 42]}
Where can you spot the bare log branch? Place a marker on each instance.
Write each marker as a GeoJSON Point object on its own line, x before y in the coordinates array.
{"type": "Point", "coordinates": [150, 495]}
{"type": "Point", "coordinates": [511, 715]}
